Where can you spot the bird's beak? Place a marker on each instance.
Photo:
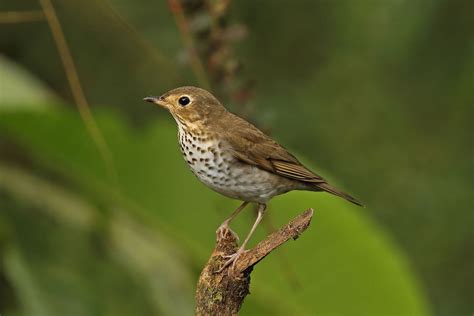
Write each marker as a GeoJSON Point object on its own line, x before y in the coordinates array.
{"type": "Point", "coordinates": [156, 100]}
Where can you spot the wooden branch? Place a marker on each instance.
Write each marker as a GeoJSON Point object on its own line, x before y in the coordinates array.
{"type": "Point", "coordinates": [223, 293]}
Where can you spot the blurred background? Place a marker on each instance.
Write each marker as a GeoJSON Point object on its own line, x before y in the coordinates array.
{"type": "Point", "coordinates": [100, 216]}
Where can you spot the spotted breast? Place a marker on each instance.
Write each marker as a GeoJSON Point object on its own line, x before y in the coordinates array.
{"type": "Point", "coordinates": [213, 164]}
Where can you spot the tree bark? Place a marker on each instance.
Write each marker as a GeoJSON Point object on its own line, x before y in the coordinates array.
{"type": "Point", "coordinates": [222, 293]}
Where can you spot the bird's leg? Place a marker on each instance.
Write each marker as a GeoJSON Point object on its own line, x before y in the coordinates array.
{"type": "Point", "coordinates": [261, 211]}
{"type": "Point", "coordinates": [232, 259]}
{"type": "Point", "coordinates": [224, 228]}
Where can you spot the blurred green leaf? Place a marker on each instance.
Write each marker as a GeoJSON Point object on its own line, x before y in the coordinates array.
{"type": "Point", "coordinates": [19, 88]}
{"type": "Point", "coordinates": [342, 258]}
{"type": "Point", "coordinates": [380, 94]}
{"type": "Point", "coordinates": [66, 256]}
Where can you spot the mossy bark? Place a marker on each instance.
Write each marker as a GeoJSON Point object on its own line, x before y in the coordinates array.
{"type": "Point", "coordinates": [222, 293]}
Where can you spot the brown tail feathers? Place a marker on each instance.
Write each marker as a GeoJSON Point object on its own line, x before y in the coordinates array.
{"type": "Point", "coordinates": [328, 188]}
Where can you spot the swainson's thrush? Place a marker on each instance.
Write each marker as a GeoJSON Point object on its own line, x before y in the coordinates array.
{"type": "Point", "coordinates": [233, 157]}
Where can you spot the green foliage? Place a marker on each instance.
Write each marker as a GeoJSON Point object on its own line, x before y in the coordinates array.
{"type": "Point", "coordinates": [377, 92]}
{"type": "Point", "coordinates": [342, 258]}
{"type": "Point", "coordinates": [19, 88]}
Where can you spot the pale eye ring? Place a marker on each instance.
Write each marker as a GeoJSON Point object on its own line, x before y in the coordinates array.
{"type": "Point", "coordinates": [184, 100]}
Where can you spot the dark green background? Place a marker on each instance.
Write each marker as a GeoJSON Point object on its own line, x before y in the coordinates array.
{"type": "Point", "coordinates": [379, 94]}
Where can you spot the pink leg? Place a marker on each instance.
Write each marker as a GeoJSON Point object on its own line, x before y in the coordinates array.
{"type": "Point", "coordinates": [233, 258]}
{"type": "Point", "coordinates": [224, 227]}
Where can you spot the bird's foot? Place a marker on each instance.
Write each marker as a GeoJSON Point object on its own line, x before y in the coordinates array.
{"type": "Point", "coordinates": [224, 230]}
{"type": "Point", "coordinates": [232, 259]}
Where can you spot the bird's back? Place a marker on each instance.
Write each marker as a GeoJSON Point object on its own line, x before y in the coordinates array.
{"type": "Point", "coordinates": [251, 146]}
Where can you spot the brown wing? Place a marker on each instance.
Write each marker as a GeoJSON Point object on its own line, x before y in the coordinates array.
{"type": "Point", "coordinates": [252, 146]}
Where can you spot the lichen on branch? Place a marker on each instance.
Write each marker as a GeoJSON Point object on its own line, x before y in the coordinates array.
{"type": "Point", "coordinates": [222, 293]}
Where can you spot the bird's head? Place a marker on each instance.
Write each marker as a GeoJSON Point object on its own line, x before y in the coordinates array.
{"type": "Point", "coordinates": [189, 104]}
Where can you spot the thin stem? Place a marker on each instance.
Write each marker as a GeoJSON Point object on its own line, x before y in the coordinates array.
{"type": "Point", "coordinates": [21, 16]}
{"type": "Point", "coordinates": [183, 27]}
{"type": "Point", "coordinates": [76, 87]}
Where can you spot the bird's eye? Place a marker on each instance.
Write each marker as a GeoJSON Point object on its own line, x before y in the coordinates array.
{"type": "Point", "coordinates": [183, 101]}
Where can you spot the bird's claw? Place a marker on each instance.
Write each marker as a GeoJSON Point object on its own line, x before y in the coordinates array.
{"type": "Point", "coordinates": [223, 231]}
{"type": "Point", "coordinates": [232, 259]}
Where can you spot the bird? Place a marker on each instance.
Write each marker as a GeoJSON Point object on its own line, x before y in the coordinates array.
{"type": "Point", "coordinates": [234, 158]}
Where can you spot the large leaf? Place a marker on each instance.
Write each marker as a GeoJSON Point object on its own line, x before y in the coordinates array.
{"type": "Point", "coordinates": [344, 265]}
{"type": "Point", "coordinates": [65, 255]}
{"type": "Point", "coordinates": [19, 88]}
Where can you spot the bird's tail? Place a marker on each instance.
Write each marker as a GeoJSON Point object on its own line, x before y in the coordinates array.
{"type": "Point", "coordinates": [328, 188]}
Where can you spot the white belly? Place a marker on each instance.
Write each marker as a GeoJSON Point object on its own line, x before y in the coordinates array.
{"type": "Point", "coordinates": [220, 171]}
